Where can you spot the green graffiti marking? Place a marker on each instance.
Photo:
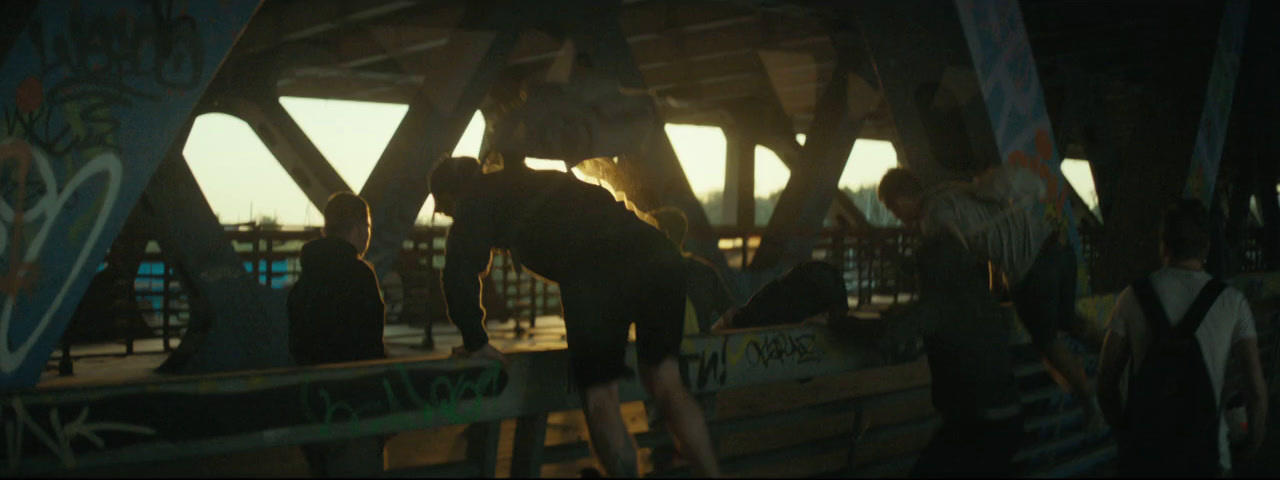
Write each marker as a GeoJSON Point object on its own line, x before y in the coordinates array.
{"type": "Point", "coordinates": [443, 398]}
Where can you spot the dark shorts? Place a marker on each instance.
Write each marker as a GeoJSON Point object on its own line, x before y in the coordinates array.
{"type": "Point", "coordinates": [599, 309]}
{"type": "Point", "coordinates": [1045, 299]}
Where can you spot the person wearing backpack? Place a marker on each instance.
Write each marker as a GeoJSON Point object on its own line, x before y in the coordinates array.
{"type": "Point", "coordinates": [993, 219]}
{"type": "Point", "coordinates": [1165, 356]}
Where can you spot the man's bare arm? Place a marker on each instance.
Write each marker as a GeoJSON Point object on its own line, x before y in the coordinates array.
{"type": "Point", "coordinates": [1256, 394]}
{"type": "Point", "coordinates": [1115, 355]}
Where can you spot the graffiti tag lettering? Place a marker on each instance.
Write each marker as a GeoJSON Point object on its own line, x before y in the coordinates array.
{"type": "Point", "coordinates": [444, 396]}
{"type": "Point", "coordinates": [58, 437]}
{"type": "Point", "coordinates": [784, 348]}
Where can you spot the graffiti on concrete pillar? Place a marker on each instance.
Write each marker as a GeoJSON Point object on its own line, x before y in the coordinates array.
{"type": "Point", "coordinates": [92, 94]}
{"type": "Point", "coordinates": [98, 182]}
{"type": "Point", "coordinates": [1203, 172]}
{"type": "Point", "coordinates": [1006, 69]}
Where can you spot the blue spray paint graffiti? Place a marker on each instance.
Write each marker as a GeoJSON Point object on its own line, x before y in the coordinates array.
{"type": "Point", "coordinates": [86, 87]}
{"type": "Point", "coordinates": [1217, 103]}
{"type": "Point", "coordinates": [1006, 69]}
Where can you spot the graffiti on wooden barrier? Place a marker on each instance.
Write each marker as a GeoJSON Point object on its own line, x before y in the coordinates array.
{"type": "Point", "coordinates": [441, 395]}
{"type": "Point", "coordinates": [712, 364]}
{"type": "Point", "coordinates": [58, 437]}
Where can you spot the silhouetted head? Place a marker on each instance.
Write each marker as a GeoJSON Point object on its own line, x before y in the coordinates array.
{"type": "Point", "coordinates": [451, 179]}
{"type": "Point", "coordinates": [902, 193]}
{"type": "Point", "coordinates": [673, 223]}
{"type": "Point", "coordinates": [346, 217]}
{"type": "Point", "coordinates": [1184, 231]}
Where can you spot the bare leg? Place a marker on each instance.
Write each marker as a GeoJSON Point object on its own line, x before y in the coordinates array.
{"type": "Point", "coordinates": [612, 443]}
{"type": "Point", "coordinates": [683, 416]}
{"type": "Point", "coordinates": [1067, 370]}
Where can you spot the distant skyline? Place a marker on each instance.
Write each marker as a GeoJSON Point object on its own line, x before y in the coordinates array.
{"type": "Point", "coordinates": [244, 182]}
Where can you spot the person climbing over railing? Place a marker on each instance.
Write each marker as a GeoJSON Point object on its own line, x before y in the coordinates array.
{"type": "Point", "coordinates": [336, 314]}
{"type": "Point", "coordinates": [992, 217]}
{"type": "Point", "coordinates": [708, 296]}
{"type": "Point", "coordinates": [966, 339]}
{"type": "Point", "coordinates": [613, 270]}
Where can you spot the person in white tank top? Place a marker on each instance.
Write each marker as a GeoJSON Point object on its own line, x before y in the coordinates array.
{"type": "Point", "coordinates": [1228, 328]}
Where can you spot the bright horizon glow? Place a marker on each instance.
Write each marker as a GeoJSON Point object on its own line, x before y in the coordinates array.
{"type": "Point", "coordinates": [1080, 176]}
{"type": "Point", "coordinates": [243, 182]}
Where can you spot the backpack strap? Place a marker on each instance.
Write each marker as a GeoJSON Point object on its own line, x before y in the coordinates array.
{"type": "Point", "coordinates": [1199, 308]}
{"type": "Point", "coordinates": [1152, 309]}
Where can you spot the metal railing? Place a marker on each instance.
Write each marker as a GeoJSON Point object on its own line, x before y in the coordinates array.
{"type": "Point", "coordinates": [871, 261]}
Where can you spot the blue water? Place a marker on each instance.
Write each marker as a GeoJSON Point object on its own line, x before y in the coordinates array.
{"type": "Point", "coordinates": [150, 283]}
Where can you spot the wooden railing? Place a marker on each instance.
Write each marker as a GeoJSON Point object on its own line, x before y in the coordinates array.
{"type": "Point", "coordinates": [807, 393]}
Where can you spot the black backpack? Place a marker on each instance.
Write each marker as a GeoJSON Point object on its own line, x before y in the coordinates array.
{"type": "Point", "coordinates": [1172, 419]}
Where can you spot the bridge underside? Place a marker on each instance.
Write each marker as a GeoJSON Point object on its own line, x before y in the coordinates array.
{"type": "Point", "coordinates": [1165, 100]}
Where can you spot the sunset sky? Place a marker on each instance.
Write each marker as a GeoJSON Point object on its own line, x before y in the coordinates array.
{"type": "Point", "coordinates": [244, 182]}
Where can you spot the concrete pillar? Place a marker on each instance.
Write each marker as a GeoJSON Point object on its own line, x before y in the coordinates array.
{"type": "Point", "coordinates": [1211, 135]}
{"type": "Point", "coordinates": [1156, 159]}
{"type": "Point", "coordinates": [1010, 86]}
{"type": "Point", "coordinates": [105, 156]}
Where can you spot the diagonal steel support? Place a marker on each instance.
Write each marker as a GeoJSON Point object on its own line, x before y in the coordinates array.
{"type": "Point", "coordinates": [766, 123]}
{"type": "Point", "coordinates": [1212, 134]}
{"type": "Point", "coordinates": [397, 187]}
{"type": "Point", "coordinates": [654, 177]}
{"type": "Point", "coordinates": [280, 133]}
{"type": "Point", "coordinates": [923, 70]}
{"type": "Point", "coordinates": [812, 187]}
{"type": "Point", "coordinates": [236, 323]}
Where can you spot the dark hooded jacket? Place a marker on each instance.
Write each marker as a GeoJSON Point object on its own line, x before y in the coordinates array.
{"type": "Point", "coordinates": [806, 290]}
{"type": "Point", "coordinates": [335, 308]}
{"type": "Point", "coordinates": [557, 226]}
